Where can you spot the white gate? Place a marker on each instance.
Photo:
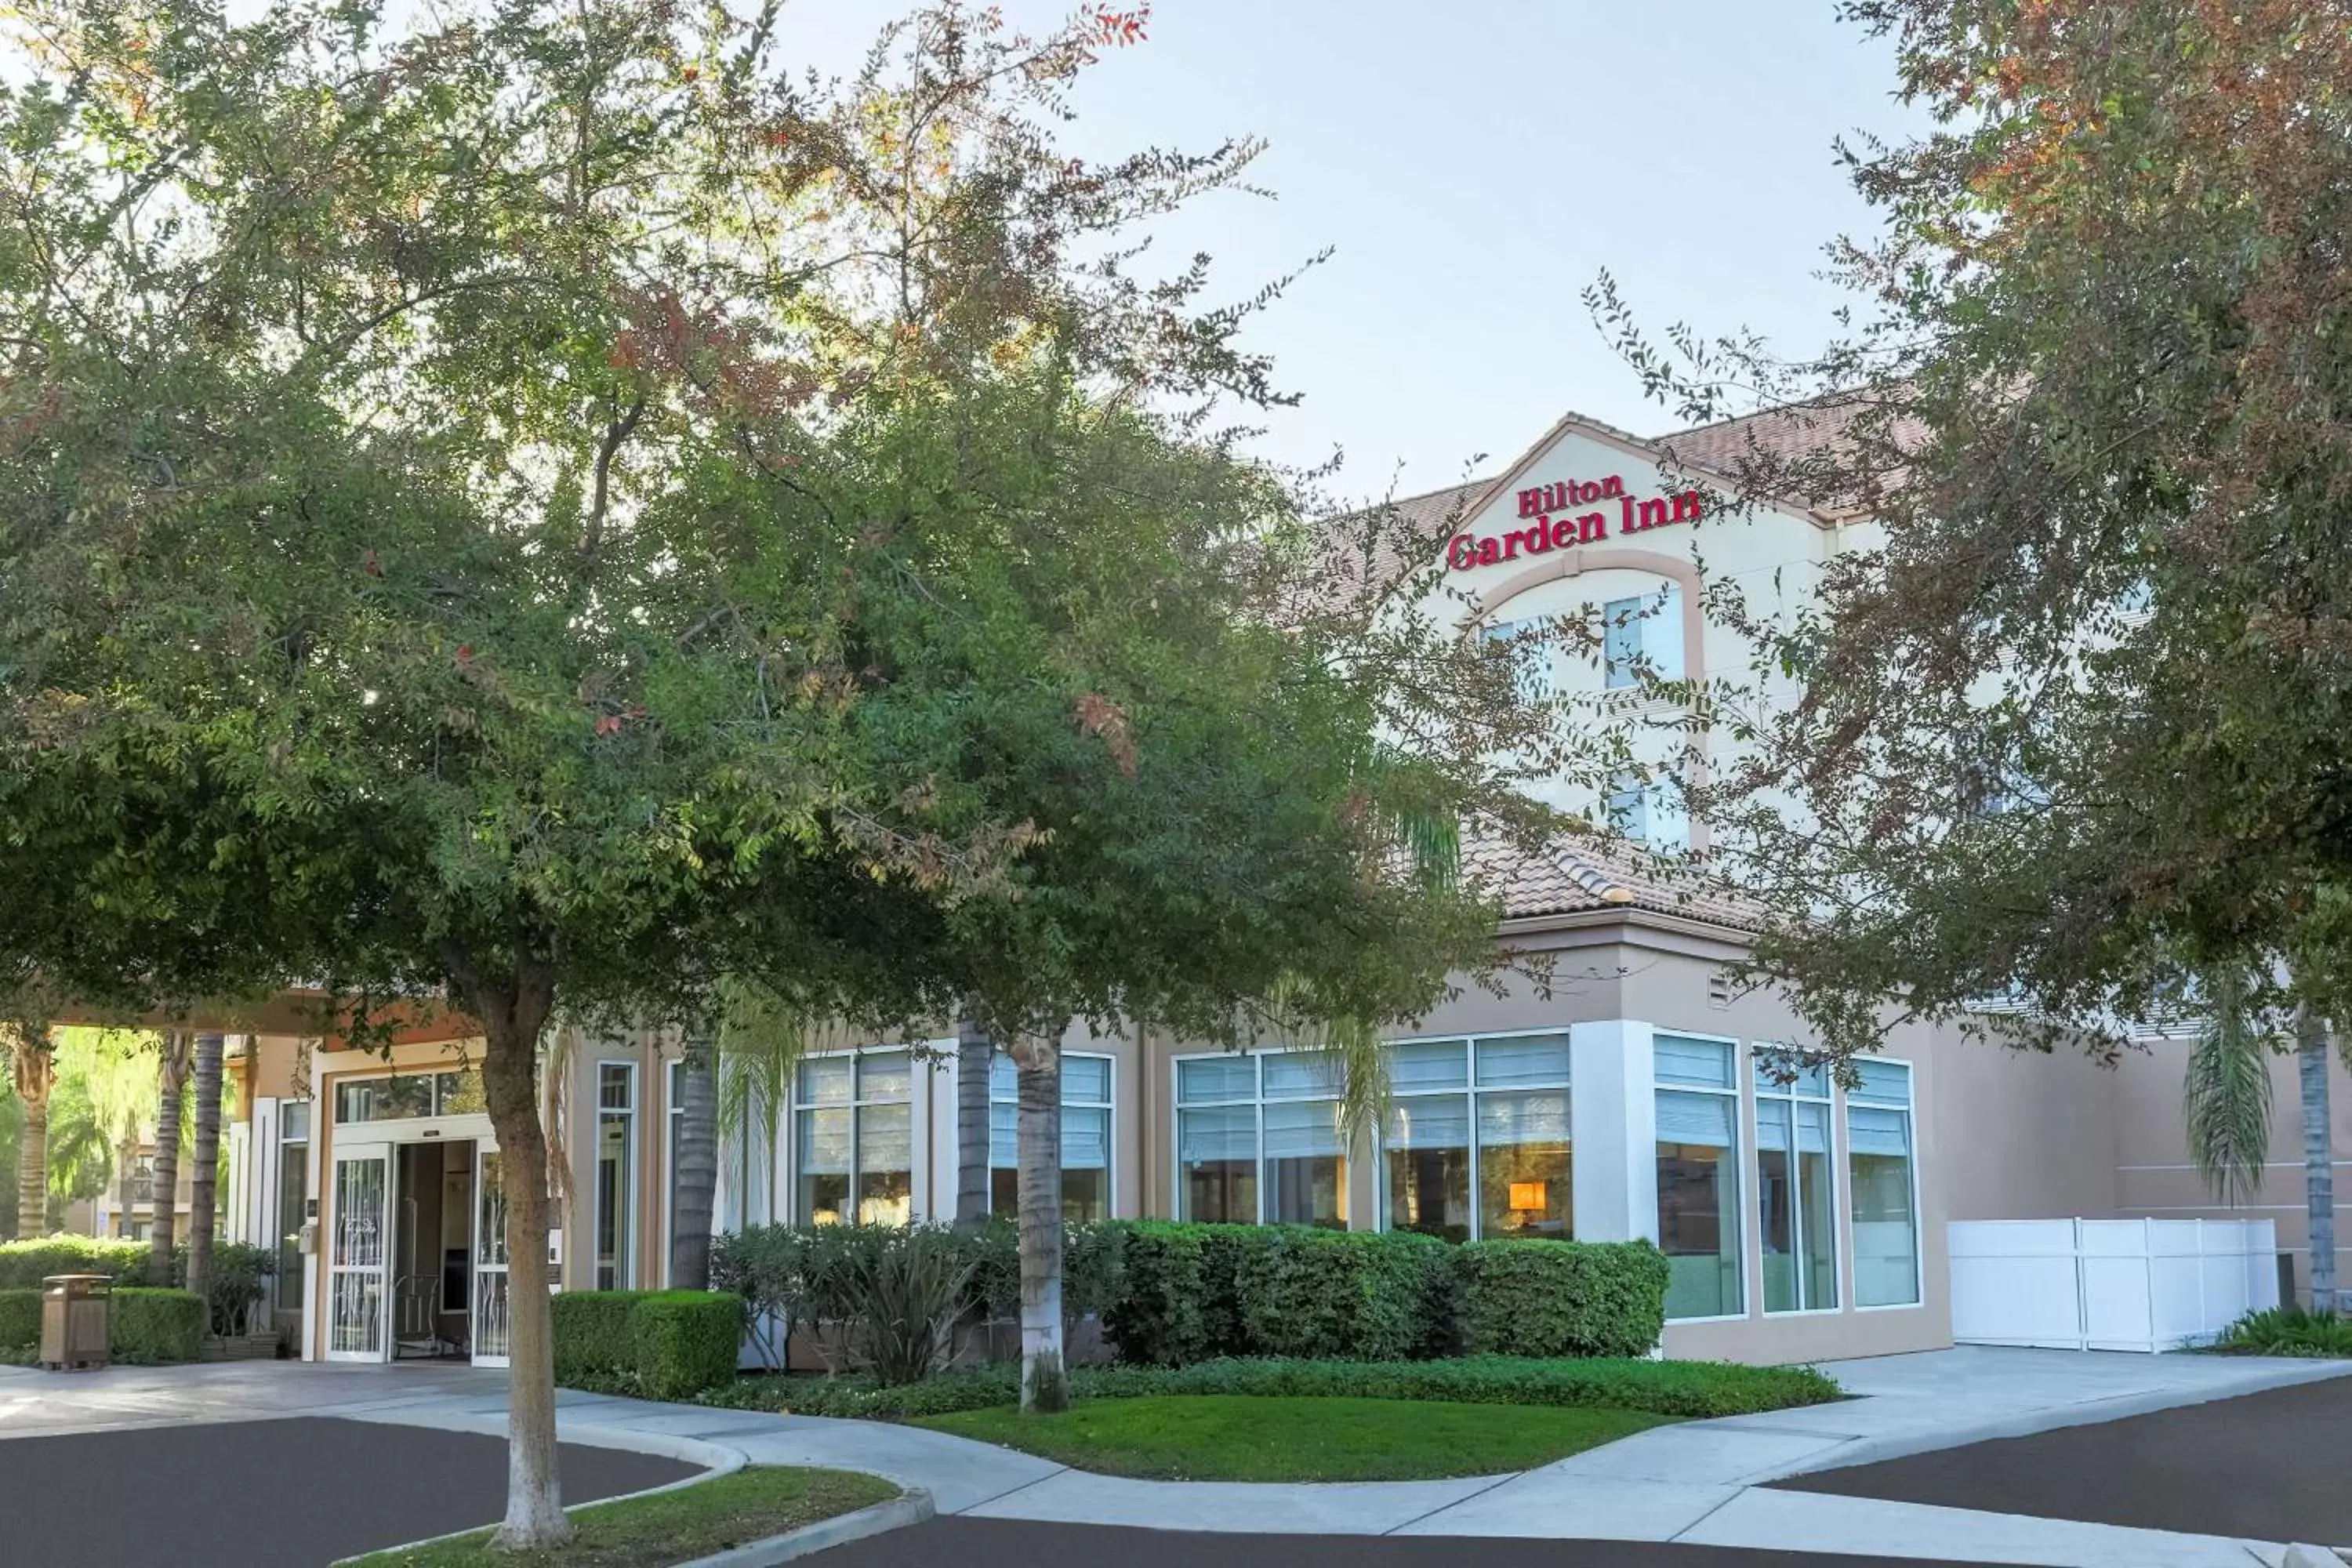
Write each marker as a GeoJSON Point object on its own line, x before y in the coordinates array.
{"type": "Point", "coordinates": [359, 1255]}
{"type": "Point", "coordinates": [2108, 1284]}
{"type": "Point", "coordinates": [491, 1324]}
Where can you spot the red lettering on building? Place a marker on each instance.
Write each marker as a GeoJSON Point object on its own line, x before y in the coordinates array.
{"type": "Point", "coordinates": [1545, 533]}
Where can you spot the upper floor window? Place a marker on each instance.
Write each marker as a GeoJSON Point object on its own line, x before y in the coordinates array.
{"type": "Point", "coordinates": [1477, 1138]}
{"type": "Point", "coordinates": [409, 1096]}
{"type": "Point", "coordinates": [1641, 635]}
{"type": "Point", "coordinates": [1257, 1140]}
{"type": "Point", "coordinates": [1698, 1175]}
{"type": "Point", "coordinates": [853, 1149]}
{"type": "Point", "coordinates": [1648, 811]}
{"type": "Point", "coordinates": [617, 1175]}
{"type": "Point", "coordinates": [1086, 1137]}
{"type": "Point", "coordinates": [1796, 1190]}
{"type": "Point", "coordinates": [1531, 656]}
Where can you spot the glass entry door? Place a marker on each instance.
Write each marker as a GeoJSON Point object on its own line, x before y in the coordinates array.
{"type": "Point", "coordinates": [491, 1325]}
{"type": "Point", "coordinates": [359, 1253]}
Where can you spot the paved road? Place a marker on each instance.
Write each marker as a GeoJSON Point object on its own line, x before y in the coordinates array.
{"type": "Point", "coordinates": [2267, 1466]}
{"type": "Point", "coordinates": [1016, 1544]}
{"type": "Point", "coordinates": [295, 1493]}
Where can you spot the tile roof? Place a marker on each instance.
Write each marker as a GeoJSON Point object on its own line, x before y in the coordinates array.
{"type": "Point", "coordinates": [1578, 873]}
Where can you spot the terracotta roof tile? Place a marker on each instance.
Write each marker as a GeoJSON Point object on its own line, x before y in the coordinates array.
{"type": "Point", "coordinates": [1576, 873]}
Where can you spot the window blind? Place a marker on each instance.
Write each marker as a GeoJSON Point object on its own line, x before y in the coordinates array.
{"type": "Point", "coordinates": [1526, 1059]}
{"type": "Point", "coordinates": [1298, 1130]}
{"type": "Point", "coordinates": [1430, 1121]}
{"type": "Point", "coordinates": [1228, 1133]}
{"type": "Point", "coordinates": [1201, 1079]}
{"type": "Point", "coordinates": [1703, 1063]}
{"type": "Point", "coordinates": [1707, 1118]}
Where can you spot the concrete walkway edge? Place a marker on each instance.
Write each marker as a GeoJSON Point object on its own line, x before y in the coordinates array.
{"type": "Point", "coordinates": [911, 1507]}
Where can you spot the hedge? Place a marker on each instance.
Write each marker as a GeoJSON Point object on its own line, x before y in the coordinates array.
{"type": "Point", "coordinates": [1327, 1294]}
{"type": "Point", "coordinates": [20, 1322]}
{"type": "Point", "coordinates": [155, 1325]}
{"type": "Point", "coordinates": [1673, 1388]}
{"type": "Point", "coordinates": [664, 1344]}
{"type": "Point", "coordinates": [25, 1264]}
{"type": "Point", "coordinates": [1562, 1298]}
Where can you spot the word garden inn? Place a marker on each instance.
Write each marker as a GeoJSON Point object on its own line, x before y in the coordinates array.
{"type": "Point", "coordinates": [1803, 1219]}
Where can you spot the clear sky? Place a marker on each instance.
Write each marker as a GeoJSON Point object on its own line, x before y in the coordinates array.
{"type": "Point", "coordinates": [1475, 164]}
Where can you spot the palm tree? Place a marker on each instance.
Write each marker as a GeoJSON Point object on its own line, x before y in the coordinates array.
{"type": "Point", "coordinates": [34, 1070]}
{"type": "Point", "coordinates": [206, 1152]}
{"type": "Point", "coordinates": [173, 1079]}
{"type": "Point", "coordinates": [697, 1191]}
{"type": "Point", "coordinates": [2311, 1054]}
{"type": "Point", "coordinates": [99, 1110]}
{"type": "Point", "coordinates": [975, 1059]}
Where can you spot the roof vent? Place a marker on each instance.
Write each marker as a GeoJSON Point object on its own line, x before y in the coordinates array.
{"type": "Point", "coordinates": [1718, 990]}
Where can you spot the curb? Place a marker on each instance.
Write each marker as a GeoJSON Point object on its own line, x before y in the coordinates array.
{"type": "Point", "coordinates": [912, 1506]}
{"type": "Point", "coordinates": [2052, 1418]}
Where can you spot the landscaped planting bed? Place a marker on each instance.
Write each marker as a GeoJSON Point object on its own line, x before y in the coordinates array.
{"type": "Point", "coordinates": [1229, 1437]}
{"type": "Point", "coordinates": [670, 1527]}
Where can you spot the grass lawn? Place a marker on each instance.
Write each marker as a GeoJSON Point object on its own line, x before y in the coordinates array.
{"type": "Point", "coordinates": [668, 1527]}
{"type": "Point", "coordinates": [1234, 1437]}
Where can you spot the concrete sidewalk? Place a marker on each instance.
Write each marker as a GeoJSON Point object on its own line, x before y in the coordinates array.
{"type": "Point", "coordinates": [1696, 1482]}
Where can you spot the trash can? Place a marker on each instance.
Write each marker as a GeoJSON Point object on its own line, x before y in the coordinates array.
{"type": "Point", "coordinates": [74, 1309]}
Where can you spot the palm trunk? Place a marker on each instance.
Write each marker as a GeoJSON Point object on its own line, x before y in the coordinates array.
{"type": "Point", "coordinates": [2311, 1050]}
{"type": "Point", "coordinates": [975, 1055]}
{"type": "Point", "coordinates": [698, 1171]}
{"type": "Point", "coordinates": [1044, 1383]}
{"type": "Point", "coordinates": [513, 1010]}
{"type": "Point", "coordinates": [163, 1203]}
{"type": "Point", "coordinates": [206, 1154]}
{"type": "Point", "coordinates": [35, 1076]}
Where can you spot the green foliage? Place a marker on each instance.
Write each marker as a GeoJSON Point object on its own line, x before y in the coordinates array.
{"type": "Point", "coordinates": [155, 1325]}
{"type": "Point", "coordinates": [240, 1272]}
{"type": "Point", "coordinates": [1562, 1298]}
{"type": "Point", "coordinates": [902, 1300]}
{"type": "Point", "coordinates": [596, 1335]}
{"type": "Point", "coordinates": [1321, 1294]}
{"type": "Point", "coordinates": [2289, 1331]}
{"type": "Point", "coordinates": [685, 1342]}
{"type": "Point", "coordinates": [20, 1320]}
{"type": "Point", "coordinates": [1675, 1388]}
{"type": "Point", "coordinates": [1177, 1300]}
{"type": "Point", "coordinates": [25, 1264]}
{"type": "Point", "coordinates": [2225, 1092]}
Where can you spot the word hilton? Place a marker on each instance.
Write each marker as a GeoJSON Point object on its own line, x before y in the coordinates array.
{"type": "Point", "coordinates": [1544, 533]}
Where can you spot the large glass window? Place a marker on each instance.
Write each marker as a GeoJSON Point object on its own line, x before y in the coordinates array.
{"type": "Point", "coordinates": [616, 1165]}
{"type": "Point", "coordinates": [855, 1148]}
{"type": "Point", "coordinates": [1257, 1140]}
{"type": "Point", "coordinates": [406, 1097]}
{"type": "Point", "coordinates": [293, 1197]}
{"type": "Point", "coordinates": [1698, 1175]}
{"type": "Point", "coordinates": [1485, 1117]}
{"type": "Point", "coordinates": [1796, 1189]}
{"type": "Point", "coordinates": [1879, 1175]}
{"type": "Point", "coordinates": [1086, 1137]}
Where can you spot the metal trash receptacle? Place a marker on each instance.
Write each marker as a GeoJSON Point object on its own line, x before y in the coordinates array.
{"type": "Point", "coordinates": [75, 1309]}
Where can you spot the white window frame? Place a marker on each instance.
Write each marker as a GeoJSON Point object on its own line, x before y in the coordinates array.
{"type": "Point", "coordinates": [1628, 615]}
{"type": "Point", "coordinates": [624, 1261]}
{"type": "Point", "coordinates": [673, 1114]}
{"type": "Point", "coordinates": [1743, 1157]}
{"type": "Point", "coordinates": [1841, 1265]}
{"type": "Point", "coordinates": [1111, 1121]}
{"type": "Point", "coordinates": [1471, 1091]}
{"type": "Point", "coordinates": [1257, 1102]}
{"type": "Point", "coordinates": [855, 1104]}
{"type": "Point", "coordinates": [1910, 1108]}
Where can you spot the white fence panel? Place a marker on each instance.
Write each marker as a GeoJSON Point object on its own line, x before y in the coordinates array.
{"type": "Point", "coordinates": [2107, 1284]}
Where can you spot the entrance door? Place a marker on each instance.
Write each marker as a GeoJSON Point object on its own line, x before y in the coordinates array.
{"type": "Point", "coordinates": [359, 1254]}
{"type": "Point", "coordinates": [490, 1329]}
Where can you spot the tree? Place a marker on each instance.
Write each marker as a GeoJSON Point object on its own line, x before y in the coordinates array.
{"type": "Point", "coordinates": [34, 1072]}
{"type": "Point", "coordinates": [205, 1151]}
{"type": "Point", "coordinates": [2225, 1093]}
{"type": "Point", "coordinates": [176, 1061]}
{"type": "Point", "coordinates": [693, 1199]}
{"type": "Point", "coordinates": [2074, 734]}
{"type": "Point", "coordinates": [102, 1111]}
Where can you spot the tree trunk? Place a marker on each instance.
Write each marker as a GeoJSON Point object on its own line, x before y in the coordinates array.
{"type": "Point", "coordinates": [163, 1203]}
{"type": "Point", "coordinates": [2311, 1050]}
{"type": "Point", "coordinates": [975, 1055]}
{"type": "Point", "coordinates": [126, 1176]}
{"type": "Point", "coordinates": [1045, 1382]}
{"type": "Point", "coordinates": [698, 1171]}
{"type": "Point", "coordinates": [513, 1010]}
{"type": "Point", "coordinates": [35, 1075]}
{"type": "Point", "coordinates": [206, 1154]}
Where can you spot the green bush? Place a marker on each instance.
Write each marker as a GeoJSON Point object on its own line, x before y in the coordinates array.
{"type": "Point", "coordinates": [155, 1325]}
{"type": "Point", "coordinates": [1359, 1294]}
{"type": "Point", "coordinates": [2289, 1331]}
{"type": "Point", "coordinates": [1159, 1317]}
{"type": "Point", "coordinates": [686, 1342]}
{"type": "Point", "coordinates": [1674, 1388]}
{"type": "Point", "coordinates": [595, 1336]}
{"type": "Point", "coordinates": [1562, 1298]}
{"type": "Point", "coordinates": [20, 1322]}
{"type": "Point", "coordinates": [239, 1270]}
{"type": "Point", "coordinates": [25, 1264]}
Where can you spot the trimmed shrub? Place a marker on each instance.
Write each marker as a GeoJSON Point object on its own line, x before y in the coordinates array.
{"type": "Point", "coordinates": [239, 1270]}
{"type": "Point", "coordinates": [2289, 1331]}
{"type": "Point", "coordinates": [25, 1264]}
{"type": "Point", "coordinates": [1562, 1298]}
{"type": "Point", "coordinates": [1359, 1294]}
{"type": "Point", "coordinates": [1159, 1317]}
{"type": "Point", "coordinates": [595, 1337]}
{"type": "Point", "coordinates": [1673, 1388]}
{"type": "Point", "coordinates": [685, 1342]}
{"type": "Point", "coordinates": [20, 1320]}
{"type": "Point", "coordinates": [155, 1325]}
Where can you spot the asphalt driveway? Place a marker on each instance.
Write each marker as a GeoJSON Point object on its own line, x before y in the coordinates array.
{"type": "Point", "coordinates": [294, 1493]}
{"type": "Point", "coordinates": [1019, 1543]}
{"type": "Point", "coordinates": [2267, 1466]}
